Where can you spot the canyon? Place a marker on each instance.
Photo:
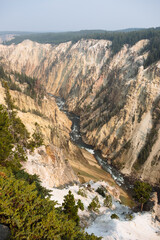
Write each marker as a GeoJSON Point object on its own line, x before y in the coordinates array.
{"type": "Point", "coordinates": [116, 98]}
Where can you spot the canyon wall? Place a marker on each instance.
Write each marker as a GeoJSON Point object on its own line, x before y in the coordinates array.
{"type": "Point", "coordinates": [116, 98]}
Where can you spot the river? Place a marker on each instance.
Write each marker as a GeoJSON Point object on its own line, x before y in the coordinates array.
{"type": "Point", "coordinates": [76, 138]}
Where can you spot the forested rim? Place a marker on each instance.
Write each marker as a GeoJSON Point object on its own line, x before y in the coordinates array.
{"type": "Point", "coordinates": [118, 39]}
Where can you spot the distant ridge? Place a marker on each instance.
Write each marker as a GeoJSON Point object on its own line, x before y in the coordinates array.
{"type": "Point", "coordinates": [130, 29]}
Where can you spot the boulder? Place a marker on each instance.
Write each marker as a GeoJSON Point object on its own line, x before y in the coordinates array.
{"type": "Point", "coordinates": [4, 232]}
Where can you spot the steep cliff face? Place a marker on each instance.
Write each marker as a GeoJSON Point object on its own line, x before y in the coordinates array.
{"type": "Point", "coordinates": [49, 162]}
{"type": "Point", "coordinates": [61, 67]}
{"type": "Point", "coordinates": [116, 98]}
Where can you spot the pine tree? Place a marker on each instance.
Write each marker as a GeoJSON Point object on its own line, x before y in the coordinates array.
{"type": "Point", "coordinates": [142, 192]}
{"type": "Point", "coordinates": [6, 139]}
{"type": "Point", "coordinates": [8, 99]}
{"type": "Point", "coordinates": [37, 138]}
{"type": "Point", "coordinates": [70, 208]}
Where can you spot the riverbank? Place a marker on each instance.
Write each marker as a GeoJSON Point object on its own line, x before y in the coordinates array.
{"type": "Point", "coordinates": [93, 171]}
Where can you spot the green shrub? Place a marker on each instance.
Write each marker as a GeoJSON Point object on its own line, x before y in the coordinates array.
{"type": "Point", "coordinates": [142, 192]}
{"type": "Point", "coordinates": [70, 208]}
{"type": "Point", "coordinates": [80, 205]}
{"type": "Point", "coordinates": [37, 138]}
{"type": "Point", "coordinates": [86, 236]}
{"type": "Point", "coordinates": [108, 201]}
{"type": "Point", "coordinates": [129, 217]}
{"type": "Point", "coordinates": [21, 209]}
{"type": "Point", "coordinates": [102, 191]}
{"type": "Point", "coordinates": [21, 174]}
{"type": "Point", "coordinates": [114, 216]}
{"type": "Point", "coordinates": [82, 192]}
{"type": "Point", "coordinates": [94, 205]}
{"type": "Point", "coordinates": [6, 138]}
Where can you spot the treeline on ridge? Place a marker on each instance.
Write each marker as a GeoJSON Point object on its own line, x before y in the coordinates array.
{"type": "Point", "coordinates": [118, 38]}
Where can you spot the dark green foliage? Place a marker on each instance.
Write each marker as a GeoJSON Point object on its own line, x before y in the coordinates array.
{"type": "Point", "coordinates": [129, 217]}
{"type": "Point", "coordinates": [154, 49]}
{"type": "Point", "coordinates": [80, 205]}
{"type": "Point", "coordinates": [21, 209]}
{"type": "Point", "coordinates": [13, 86]}
{"type": "Point", "coordinates": [82, 192]}
{"type": "Point", "coordinates": [30, 216]}
{"type": "Point", "coordinates": [2, 73]}
{"type": "Point", "coordinates": [6, 139]}
{"type": "Point", "coordinates": [19, 130]}
{"type": "Point", "coordinates": [86, 236]}
{"type": "Point", "coordinates": [70, 208]}
{"type": "Point", "coordinates": [9, 157]}
{"type": "Point", "coordinates": [102, 191]}
{"type": "Point", "coordinates": [94, 205]}
{"type": "Point", "coordinates": [108, 201]}
{"type": "Point", "coordinates": [55, 38]}
{"type": "Point", "coordinates": [21, 174]}
{"type": "Point", "coordinates": [37, 138]}
{"type": "Point", "coordinates": [38, 113]}
{"type": "Point", "coordinates": [142, 192]}
{"type": "Point", "coordinates": [8, 99]}
{"type": "Point", "coordinates": [9, 138]}
{"type": "Point", "coordinates": [13, 134]}
{"type": "Point", "coordinates": [114, 216]}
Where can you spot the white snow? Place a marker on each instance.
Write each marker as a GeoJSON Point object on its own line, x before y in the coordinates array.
{"type": "Point", "coordinates": [140, 228]}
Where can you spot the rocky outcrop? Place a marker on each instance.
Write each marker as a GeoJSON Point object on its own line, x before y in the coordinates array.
{"type": "Point", "coordinates": [153, 206]}
{"type": "Point", "coordinates": [115, 96]}
{"type": "Point", "coordinates": [50, 165]}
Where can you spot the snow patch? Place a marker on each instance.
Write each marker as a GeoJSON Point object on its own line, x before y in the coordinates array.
{"type": "Point", "coordinates": [140, 228]}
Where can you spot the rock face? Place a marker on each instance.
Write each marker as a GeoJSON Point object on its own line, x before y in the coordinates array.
{"type": "Point", "coordinates": [60, 67]}
{"type": "Point", "coordinates": [153, 206]}
{"type": "Point", "coordinates": [48, 116]}
{"type": "Point", "coordinates": [116, 98]}
{"type": "Point", "coordinates": [50, 165]}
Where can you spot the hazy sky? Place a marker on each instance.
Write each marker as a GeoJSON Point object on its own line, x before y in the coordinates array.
{"type": "Point", "coordinates": [70, 15]}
